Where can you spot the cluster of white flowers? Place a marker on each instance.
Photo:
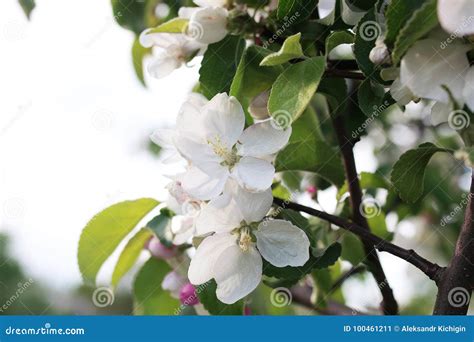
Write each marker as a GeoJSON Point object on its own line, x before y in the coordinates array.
{"type": "Point", "coordinates": [437, 68]}
{"type": "Point", "coordinates": [225, 193]}
{"type": "Point", "coordinates": [207, 24]}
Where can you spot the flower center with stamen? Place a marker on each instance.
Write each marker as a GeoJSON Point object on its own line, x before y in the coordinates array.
{"type": "Point", "coordinates": [230, 157]}
{"type": "Point", "coordinates": [245, 239]}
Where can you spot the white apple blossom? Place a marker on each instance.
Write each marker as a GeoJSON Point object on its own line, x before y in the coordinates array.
{"type": "Point", "coordinates": [233, 254]}
{"type": "Point", "coordinates": [213, 139]}
{"type": "Point", "coordinates": [456, 16]}
{"type": "Point", "coordinates": [173, 50]}
{"type": "Point", "coordinates": [173, 282]}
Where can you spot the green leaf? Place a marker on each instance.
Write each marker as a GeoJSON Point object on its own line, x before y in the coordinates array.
{"type": "Point", "coordinates": [219, 65]}
{"type": "Point", "coordinates": [207, 296]}
{"type": "Point", "coordinates": [352, 249]}
{"type": "Point", "coordinates": [367, 32]}
{"type": "Point", "coordinates": [27, 6]}
{"type": "Point", "coordinates": [130, 254]}
{"type": "Point", "coordinates": [130, 14]}
{"type": "Point", "coordinates": [378, 225]}
{"type": "Point", "coordinates": [308, 151]}
{"type": "Point", "coordinates": [138, 53]}
{"type": "Point", "coordinates": [250, 78]}
{"type": "Point", "coordinates": [290, 49]}
{"type": "Point", "coordinates": [294, 88]}
{"type": "Point", "coordinates": [299, 10]}
{"type": "Point", "coordinates": [106, 230]}
{"type": "Point", "coordinates": [159, 225]}
{"type": "Point", "coordinates": [422, 21]}
{"type": "Point", "coordinates": [149, 297]}
{"type": "Point", "coordinates": [397, 14]}
{"type": "Point", "coordinates": [319, 259]}
{"type": "Point", "coordinates": [367, 181]}
{"type": "Point", "coordinates": [409, 171]}
{"type": "Point", "coordinates": [338, 38]}
{"type": "Point", "coordinates": [176, 25]}
{"type": "Point", "coordinates": [372, 99]}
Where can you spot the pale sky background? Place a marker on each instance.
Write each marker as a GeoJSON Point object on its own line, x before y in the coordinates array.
{"type": "Point", "coordinates": [74, 125]}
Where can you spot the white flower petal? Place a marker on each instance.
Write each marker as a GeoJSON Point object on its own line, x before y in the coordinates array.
{"type": "Point", "coordinates": [426, 68]}
{"type": "Point", "coordinates": [208, 25]}
{"type": "Point", "coordinates": [282, 244]}
{"type": "Point", "coordinates": [224, 118]}
{"type": "Point", "coordinates": [237, 273]}
{"type": "Point", "coordinates": [220, 215]}
{"type": "Point", "coordinates": [203, 186]}
{"type": "Point", "coordinates": [254, 174]}
{"type": "Point", "coordinates": [253, 205]}
{"type": "Point", "coordinates": [440, 112]}
{"type": "Point", "coordinates": [456, 16]}
{"type": "Point", "coordinates": [327, 11]}
{"type": "Point", "coordinates": [198, 153]}
{"type": "Point", "coordinates": [163, 137]}
{"type": "Point", "coordinates": [207, 255]}
{"type": "Point", "coordinates": [468, 92]}
{"type": "Point", "coordinates": [210, 3]}
{"type": "Point", "coordinates": [262, 139]}
{"type": "Point", "coordinates": [163, 65]}
{"type": "Point", "coordinates": [183, 229]}
{"type": "Point", "coordinates": [187, 12]}
{"type": "Point", "coordinates": [401, 93]}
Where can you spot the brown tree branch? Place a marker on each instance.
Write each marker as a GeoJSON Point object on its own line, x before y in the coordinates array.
{"type": "Point", "coordinates": [345, 74]}
{"type": "Point", "coordinates": [433, 271]}
{"type": "Point", "coordinates": [457, 282]}
{"type": "Point", "coordinates": [389, 304]}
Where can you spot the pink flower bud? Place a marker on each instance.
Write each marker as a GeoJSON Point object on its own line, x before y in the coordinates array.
{"type": "Point", "coordinates": [160, 251]}
{"type": "Point", "coordinates": [247, 311]}
{"type": "Point", "coordinates": [188, 295]}
{"type": "Point", "coordinates": [311, 190]}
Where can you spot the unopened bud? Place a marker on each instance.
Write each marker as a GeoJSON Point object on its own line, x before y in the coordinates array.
{"type": "Point", "coordinates": [160, 251]}
{"type": "Point", "coordinates": [379, 54]}
{"type": "Point", "coordinates": [188, 295]}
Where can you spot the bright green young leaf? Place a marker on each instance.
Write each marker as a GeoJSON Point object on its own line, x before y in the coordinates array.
{"type": "Point", "coordinates": [130, 254]}
{"type": "Point", "coordinates": [219, 65]}
{"type": "Point", "coordinates": [250, 78]}
{"type": "Point", "coordinates": [378, 224]}
{"type": "Point", "coordinates": [422, 21]}
{"type": "Point", "coordinates": [159, 225]}
{"type": "Point", "coordinates": [338, 38]}
{"type": "Point", "coordinates": [308, 151]}
{"type": "Point", "coordinates": [149, 297]}
{"type": "Point", "coordinates": [207, 296]}
{"type": "Point", "coordinates": [319, 259]}
{"type": "Point", "coordinates": [27, 6]}
{"type": "Point", "coordinates": [176, 25]}
{"type": "Point", "coordinates": [290, 49]}
{"type": "Point", "coordinates": [409, 171]}
{"type": "Point", "coordinates": [299, 10]}
{"type": "Point", "coordinates": [294, 89]}
{"type": "Point", "coordinates": [397, 14]}
{"type": "Point", "coordinates": [138, 53]}
{"type": "Point", "coordinates": [106, 230]}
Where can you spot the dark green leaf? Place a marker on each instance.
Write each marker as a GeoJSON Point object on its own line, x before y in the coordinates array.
{"type": "Point", "coordinates": [338, 38]}
{"type": "Point", "coordinates": [149, 297]}
{"type": "Point", "coordinates": [207, 296]}
{"type": "Point", "coordinates": [159, 225]}
{"type": "Point", "coordinates": [409, 171]}
{"type": "Point", "coordinates": [27, 6]}
{"type": "Point", "coordinates": [130, 14]}
{"type": "Point", "coordinates": [299, 10]}
{"type": "Point", "coordinates": [397, 14]}
{"type": "Point", "coordinates": [220, 64]}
